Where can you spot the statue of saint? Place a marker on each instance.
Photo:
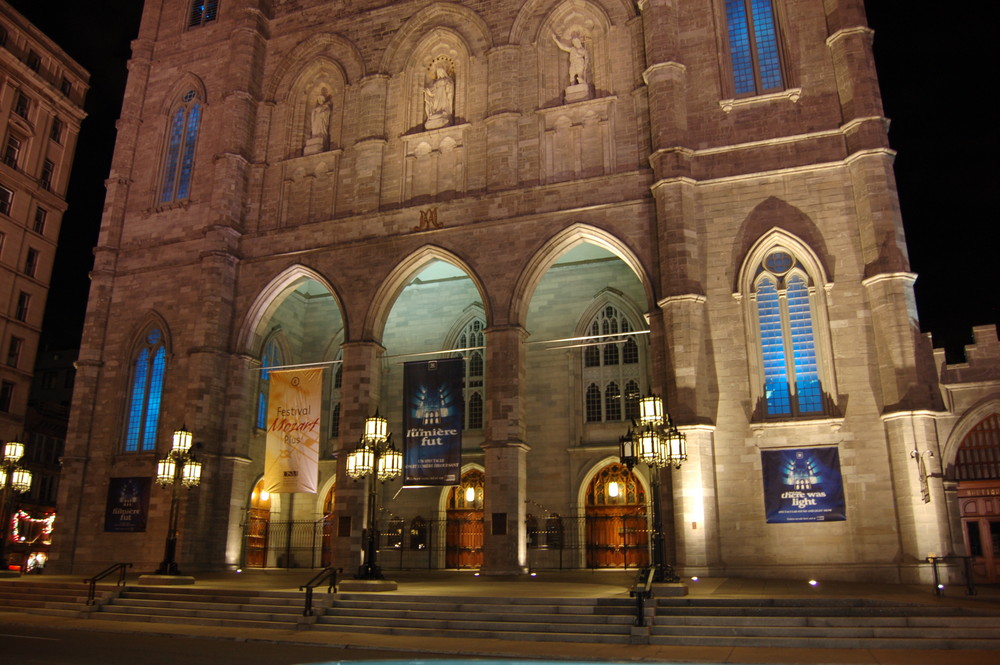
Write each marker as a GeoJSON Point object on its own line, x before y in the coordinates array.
{"type": "Point", "coordinates": [439, 100]}
{"type": "Point", "coordinates": [319, 121]}
{"type": "Point", "coordinates": [579, 59]}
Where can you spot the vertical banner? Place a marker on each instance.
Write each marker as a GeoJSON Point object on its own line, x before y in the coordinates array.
{"type": "Point", "coordinates": [128, 505]}
{"type": "Point", "coordinates": [291, 460]}
{"type": "Point", "coordinates": [803, 485]}
{"type": "Point", "coordinates": [433, 412]}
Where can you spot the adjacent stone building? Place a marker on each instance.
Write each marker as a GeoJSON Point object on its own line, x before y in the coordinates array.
{"type": "Point", "coordinates": [587, 200]}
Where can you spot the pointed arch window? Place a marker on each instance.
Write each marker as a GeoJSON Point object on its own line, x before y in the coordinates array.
{"type": "Point", "coordinates": [178, 164]}
{"type": "Point", "coordinates": [612, 367]}
{"type": "Point", "coordinates": [754, 49]}
{"type": "Point", "coordinates": [145, 394]}
{"type": "Point", "coordinates": [472, 339]}
{"type": "Point", "coordinates": [785, 320]}
{"type": "Point", "coordinates": [272, 357]}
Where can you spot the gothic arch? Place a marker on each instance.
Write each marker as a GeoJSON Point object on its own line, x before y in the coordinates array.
{"type": "Point", "coordinates": [150, 320]}
{"type": "Point", "coordinates": [330, 47]}
{"type": "Point", "coordinates": [562, 242]}
{"type": "Point", "coordinates": [392, 286]}
{"type": "Point", "coordinates": [456, 19]}
{"type": "Point", "coordinates": [185, 82]}
{"type": "Point", "coordinates": [250, 335]}
{"type": "Point", "coordinates": [324, 77]}
{"type": "Point", "coordinates": [969, 420]}
{"type": "Point", "coordinates": [534, 14]}
{"type": "Point", "coordinates": [767, 242]}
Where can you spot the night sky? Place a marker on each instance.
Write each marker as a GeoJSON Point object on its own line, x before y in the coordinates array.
{"type": "Point", "coordinates": [934, 76]}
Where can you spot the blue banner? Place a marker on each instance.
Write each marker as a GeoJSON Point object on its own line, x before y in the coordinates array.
{"type": "Point", "coordinates": [128, 504]}
{"type": "Point", "coordinates": [803, 485]}
{"type": "Point", "coordinates": [433, 412]}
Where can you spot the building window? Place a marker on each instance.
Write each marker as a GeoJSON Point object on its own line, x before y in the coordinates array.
{"type": "Point", "coordinates": [34, 61]}
{"type": "Point", "coordinates": [12, 151]}
{"type": "Point", "coordinates": [31, 262]}
{"type": "Point", "coordinates": [55, 131]}
{"type": "Point", "coordinates": [203, 11]}
{"type": "Point", "coordinates": [612, 371]}
{"type": "Point", "coordinates": [336, 393]}
{"type": "Point", "coordinates": [471, 344]}
{"type": "Point", "coordinates": [147, 389]}
{"type": "Point", "coordinates": [6, 396]}
{"type": "Point", "coordinates": [783, 295]}
{"type": "Point", "coordinates": [65, 87]}
{"type": "Point", "coordinates": [754, 50]}
{"type": "Point", "coordinates": [14, 351]}
{"type": "Point", "coordinates": [23, 305]}
{"type": "Point", "coordinates": [22, 105]}
{"type": "Point", "coordinates": [48, 171]}
{"type": "Point", "coordinates": [3, 36]}
{"type": "Point", "coordinates": [272, 358]}
{"type": "Point", "coordinates": [3, 236]}
{"type": "Point", "coordinates": [40, 215]}
{"type": "Point", "coordinates": [179, 162]}
{"type": "Point", "coordinates": [6, 200]}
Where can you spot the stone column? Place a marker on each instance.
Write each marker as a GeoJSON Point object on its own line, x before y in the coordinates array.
{"type": "Point", "coordinates": [369, 150]}
{"type": "Point", "coordinates": [362, 381]}
{"type": "Point", "coordinates": [502, 117]}
{"type": "Point", "coordinates": [505, 454]}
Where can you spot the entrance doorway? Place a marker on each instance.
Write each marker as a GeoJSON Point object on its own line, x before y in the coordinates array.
{"type": "Point", "coordinates": [326, 556]}
{"type": "Point", "coordinates": [464, 538]}
{"type": "Point", "coordinates": [258, 527]}
{"type": "Point", "coordinates": [977, 469]}
{"type": "Point", "coordinates": [617, 528]}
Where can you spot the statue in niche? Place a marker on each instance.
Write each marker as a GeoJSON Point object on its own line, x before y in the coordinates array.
{"type": "Point", "coordinates": [439, 100]}
{"type": "Point", "coordinates": [579, 59]}
{"type": "Point", "coordinates": [319, 124]}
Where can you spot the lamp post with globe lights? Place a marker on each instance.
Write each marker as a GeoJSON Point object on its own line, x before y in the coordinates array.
{"type": "Point", "coordinates": [12, 479]}
{"type": "Point", "coordinates": [179, 469]}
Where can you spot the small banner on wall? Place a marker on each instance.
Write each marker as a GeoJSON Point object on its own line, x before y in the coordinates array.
{"type": "Point", "coordinates": [803, 485]}
{"type": "Point", "coordinates": [433, 412]}
{"type": "Point", "coordinates": [291, 459]}
{"type": "Point", "coordinates": [128, 504]}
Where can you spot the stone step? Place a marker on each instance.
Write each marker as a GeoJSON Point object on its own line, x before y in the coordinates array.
{"type": "Point", "coordinates": [152, 604]}
{"type": "Point", "coordinates": [215, 597]}
{"type": "Point", "coordinates": [524, 636]}
{"type": "Point", "coordinates": [830, 632]}
{"type": "Point", "coordinates": [824, 642]}
{"type": "Point", "coordinates": [195, 621]}
{"type": "Point", "coordinates": [553, 616]}
{"type": "Point", "coordinates": [165, 612]}
{"type": "Point", "coordinates": [515, 624]}
{"type": "Point", "coordinates": [552, 606]}
{"type": "Point", "coordinates": [813, 611]}
{"type": "Point", "coordinates": [487, 600]}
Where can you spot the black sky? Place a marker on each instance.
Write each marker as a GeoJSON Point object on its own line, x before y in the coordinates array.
{"type": "Point", "coordinates": [935, 73]}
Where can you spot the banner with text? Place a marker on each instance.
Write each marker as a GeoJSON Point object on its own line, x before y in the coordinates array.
{"type": "Point", "coordinates": [803, 485]}
{"type": "Point", "coordinates": [294, 401]}
{"type": "Point", "coordinates": [433, 412]}
{"type": "Point", "coordinates": [128, 505]}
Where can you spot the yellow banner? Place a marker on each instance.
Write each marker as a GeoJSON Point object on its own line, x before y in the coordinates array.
{"type": "Point", "coordinates": [291, 459]}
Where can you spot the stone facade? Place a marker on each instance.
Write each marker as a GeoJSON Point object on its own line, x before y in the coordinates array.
{"type": "Point", "coordinates": [328, 209]}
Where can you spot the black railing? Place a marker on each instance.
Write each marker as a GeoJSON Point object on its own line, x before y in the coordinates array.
{"type": "Point", "coordinates": [328, 576]}
{"type": "Point", "coordinates": [642, 590]}
{"type": "Point", "coordinates": [92, 591]}
{"type": "Point", "coordinates": [970, 584]}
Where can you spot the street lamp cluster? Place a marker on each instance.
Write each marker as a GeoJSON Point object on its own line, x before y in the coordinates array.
{"type": "Point", "coordinates": [654, 440]}
{"type": "Point", "coordinates": [12, 479]}
{"type": "Point", "coordinates": [178, 469]}
{"type": "Point", "coordinates": [375, 456]}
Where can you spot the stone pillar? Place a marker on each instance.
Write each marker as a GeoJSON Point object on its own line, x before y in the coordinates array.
{"type": "Point", "coordinates": [502, 118]}
{"type": "Point", "coordinates": [696, 514]}
{"type": "Point", "coordinates": [369, 150]}
{"type": "Point", "coordinates": [921, 502]}
{"type": "Point", "coordinates": [505, 454]}
{"type": "Point", "coordinates": [362, 381]}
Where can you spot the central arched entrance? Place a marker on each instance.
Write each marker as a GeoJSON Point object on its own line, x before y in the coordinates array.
{"type": "Point", "coordinates": [616, 525]}
{"type": "Point", "coordinates": [464, 540]}
{"type": "Point", "coordinates": [258, 526]}
{"type": "Point", "coordinates": [977, 469]}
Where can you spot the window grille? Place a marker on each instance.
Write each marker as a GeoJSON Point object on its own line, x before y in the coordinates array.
{"type": "Point", "coordinates": [979, 455]}
{"type": "Point", "coordinates": [612, 370]}
{"type": "Point", "coordinates": [203, 11]}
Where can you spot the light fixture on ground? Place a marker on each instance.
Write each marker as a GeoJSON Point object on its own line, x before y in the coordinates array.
{"type": "Point", "coordinates": [12, 479]}
{"type": "Point", "coordinates": [179, 470]}
{"type": "Point", "coordinates": [375, 456]}
{"type": "Point", "coordinates": [654, 440]}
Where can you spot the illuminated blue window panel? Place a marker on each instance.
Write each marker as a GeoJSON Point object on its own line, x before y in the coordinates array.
{"type": "Point", "coordinates": [773, 347]}
{"type": "Point", "coordinates": [187, 162]}
{"type": "Point", "coordinates": [271, 358]}
{"type": "Point", "coordinates": [153, 400]}
{"type": "Point", "coordinates": [134, 426]}
{"type": "Point", "coordinates": [766, 38]}
{"type": "Point", "coordinates": [808, 391]}
{"type": "Point", "coordinates": [173, 156]}
{"type": "Point", "coordinates": [753, 46]}
{"type": "Point", "coordinates": [147, 391]}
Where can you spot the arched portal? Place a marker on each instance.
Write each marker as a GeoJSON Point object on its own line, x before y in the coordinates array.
{"type": "Point", "coordinates": [328, 527]}
{"type": "Point", "coordinates": [258, 526]}
{"type": "Point", "coordinates": [464, 540]}
{"type": "Point", "coordinates": [977, 469]}
{"type": "Point", "coordinates": [616, 525]}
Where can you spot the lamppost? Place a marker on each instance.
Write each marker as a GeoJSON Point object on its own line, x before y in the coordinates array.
{"type": "Point", "coordinates": [179, 469]}
{"type": "Point", "coordinates": [12, 479]}
{"type": "Point", "coordinates": [655, 440]}
{"type": "Point", "coordinates": [375, 456]}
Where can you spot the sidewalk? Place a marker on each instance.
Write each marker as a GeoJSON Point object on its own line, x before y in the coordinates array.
{"type": "Point", "coordinates": [557, 584]}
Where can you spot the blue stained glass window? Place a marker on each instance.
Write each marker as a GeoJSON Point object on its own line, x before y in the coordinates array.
{"type": "Point", "coordinates": [753, 46]}
{"type": "Point", "coordinates": [773, 346]}
{"type": "Point", "coordinates": [808, 391]}
{"type": "Point", "coordinates": [271, 358]}
{"type": "Point", "coordinates": [146, 393]}
{"type": "Point", "coordinates": [203, 11]}
{"type": "Point", "coordinates": [179, 163]}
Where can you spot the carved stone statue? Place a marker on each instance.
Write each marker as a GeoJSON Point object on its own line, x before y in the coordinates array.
{"type": "Point", "coordinates": [579, 59]}
{"type": "Point", "coordinates": [319, 121]}
{"type": "Point", "coordinates": [439, 100]}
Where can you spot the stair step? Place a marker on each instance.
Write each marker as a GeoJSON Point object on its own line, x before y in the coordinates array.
{"type": "Point", "coordinates": [524, 636]}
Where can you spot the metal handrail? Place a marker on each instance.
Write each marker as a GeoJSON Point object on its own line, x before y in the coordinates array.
{"type": "Point", "coordinates": [120, 567]}
{"type": "Point", "coordinates": [641, 591]}
{"type": "Point", "coordinates": [970, 584]}
{"type": "Point", "coordinates": [328, 575]}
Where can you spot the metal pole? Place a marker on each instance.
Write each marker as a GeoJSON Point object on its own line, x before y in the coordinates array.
{"type": "Point", "coordinates": [169, 564]}
{"type": "Point", "coordinates": [5, 512]}
{"type": "Point", "coordinates": [657, 525]}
